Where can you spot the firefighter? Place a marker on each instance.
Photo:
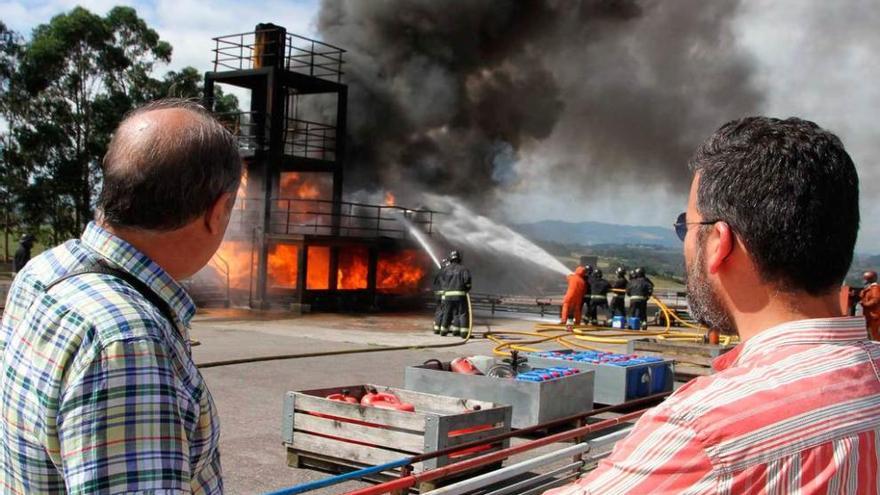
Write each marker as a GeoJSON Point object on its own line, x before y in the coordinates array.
{"type": "Point", "coordinates": [455, 290]}
{"type": "Point", "coordinates": [588, 272]}
{"type": "Point", "coordinates": [618, 304]}
{"type": "Point", "coordinates": [639, 290]}
{"type": "Point", "coordinates": [585, 305]}
{"type": "Point", "coordinates": [599, 288]}
{"type": "Point", "coordinates": [870, 297]}
{"type": "Point", "coordinates": [438, 293]}
{"type": "Point", "coordinates": [23, 253]}
{"type": "Point", "coordinates": [574, 296]}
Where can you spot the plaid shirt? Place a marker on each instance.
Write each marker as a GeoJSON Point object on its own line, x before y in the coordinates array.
{"type": "Point", "coordinates": [795, 409]}
{"type": "Point", "coordinates": [98, 391]}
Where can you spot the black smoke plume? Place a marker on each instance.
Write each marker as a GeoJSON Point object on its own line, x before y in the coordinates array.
{"type": "Point", "coordinates": [449, 95]}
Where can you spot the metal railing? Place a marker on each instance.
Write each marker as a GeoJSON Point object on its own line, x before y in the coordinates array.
{"type": "Point", "coordinates": [314, 58]}
{"type": "Point", "coordinates": [309, 139]}
{"type": "Point", "coordinates": [319, 217]}
{"type": "Point", "coordinates": [301, 138]}
{"type": "Point", "coordinates": [245, 126]}
{"type": "Point", "coordinates": [223, 266]}
{"type": "Point", "coordinates": [265, 48]}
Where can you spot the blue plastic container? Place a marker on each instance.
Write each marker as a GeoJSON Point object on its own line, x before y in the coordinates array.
{"type": "Point", "coordinates": [618, 322]}
{"type": "Point", "coordinates": [634, 323]}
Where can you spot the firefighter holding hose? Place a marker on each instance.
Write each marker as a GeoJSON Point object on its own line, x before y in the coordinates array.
{"type": "Point", "coordinates": [639, 290]}
{"type": "Point", "coordinates": [456, 286]}
{"type": "Point", "coordinates": [599, 288]}
{"type": "Point", "coordinates": [574, 296]}
{"type": "Point", "coordinates": [437, 286]}
{"type": "Point", "coordinates": [618, 302]}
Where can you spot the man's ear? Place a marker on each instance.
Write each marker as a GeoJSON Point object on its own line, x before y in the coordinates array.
{"type": "Point", "coordinates": [719, 246]}
{"type": "Point", "coordinates": [217, 215]}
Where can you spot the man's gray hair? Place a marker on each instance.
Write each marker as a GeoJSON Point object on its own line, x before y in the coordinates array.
{"type": "Point", "coordinates": [163, 179]}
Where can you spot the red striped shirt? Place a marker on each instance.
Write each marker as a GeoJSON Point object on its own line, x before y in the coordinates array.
{"type": "Point", "coordinates": [795, 409]}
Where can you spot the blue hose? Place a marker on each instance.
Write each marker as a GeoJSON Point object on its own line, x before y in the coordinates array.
{"type": "Point", "coordinates": [360, 473]}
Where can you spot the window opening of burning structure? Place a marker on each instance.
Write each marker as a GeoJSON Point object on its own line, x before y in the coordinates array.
{"type": "Point", "coordinates": [304, 203]}
{"type": "Point", "coordinates": [401, 272]}
{"type": "Point", "coordinates": [283, 266]}
{"type": "Point", "coordinates": [318, 271]}
{"type": "Point", "coordinates": [353, 268]}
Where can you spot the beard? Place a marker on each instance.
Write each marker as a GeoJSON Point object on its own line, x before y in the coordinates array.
{"type": "Point", "coordinates": [703, 301]}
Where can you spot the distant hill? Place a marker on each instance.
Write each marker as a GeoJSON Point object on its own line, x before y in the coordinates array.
{"type": "Point", "coordinates": [593, 233]}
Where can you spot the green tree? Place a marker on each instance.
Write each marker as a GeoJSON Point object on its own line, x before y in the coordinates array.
{"type": "Point", "coordinates": [10, 107]}
{"type": "Point", "coordinates": [64, 92]}
{"type": "Point", "coordinates": [78, 70]}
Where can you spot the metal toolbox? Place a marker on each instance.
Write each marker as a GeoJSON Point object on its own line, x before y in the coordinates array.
{"type": "Point", "coordinates": [620, 378]}
{"type": "Point", "coordinates": [533, 402]}
{"type": "Point", "coordinates": [329, 434]}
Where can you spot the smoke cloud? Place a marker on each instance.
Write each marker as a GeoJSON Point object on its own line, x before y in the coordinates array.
{"type": "Point", "coordinates": [478, 99]}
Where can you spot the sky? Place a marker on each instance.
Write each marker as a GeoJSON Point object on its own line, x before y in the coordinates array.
{"type": "Point", "coordinates": [812, 58]}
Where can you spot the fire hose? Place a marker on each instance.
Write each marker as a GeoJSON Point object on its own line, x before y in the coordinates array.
{"type": "Point", "coordinates": [583, 333]}
{"type": "Point", "coordinates": [361, 350]}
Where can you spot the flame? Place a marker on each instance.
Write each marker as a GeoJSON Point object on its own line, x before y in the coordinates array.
{"type": "Point", "coordinates": [318, 273]}
{"type": "Point", "coordinates": [242, 186]}
{"type": "Point", "coordinates": [236, 258]}
{"type": "Point", "coordinates": [400, 271]}
{"type": "Point", "coordinates": [283, 266]}
{"type": "Point", "coordinates": [305, 189]}
{"type": "Point", "coordinates": [389, 198]}
{"type": "Point", "coordinates": [294, 185]}
{"type": "Point", "coordinates": [353, 268]}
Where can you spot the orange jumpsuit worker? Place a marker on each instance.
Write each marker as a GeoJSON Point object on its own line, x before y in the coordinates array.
{"type": "Point", "coordinates": [870, 297]}
{"type": "Point", "coordinates": [574, 296]}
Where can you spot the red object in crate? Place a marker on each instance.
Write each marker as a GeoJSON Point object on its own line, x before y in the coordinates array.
{"type": "Point", "coordinates": [384, 400]}
{"type": "Point", "coordinates": [344, 397]}
{"type": "Point", "coordinates": [464, 366]}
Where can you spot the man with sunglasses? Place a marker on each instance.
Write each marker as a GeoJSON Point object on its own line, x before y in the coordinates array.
{"type": "Point", "coordinates": [768, 237]}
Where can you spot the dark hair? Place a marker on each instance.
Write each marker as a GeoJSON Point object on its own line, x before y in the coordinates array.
{"type": "Point", "coordinates": [164, 180]}
{"type": "Point", "coordinates": [790, 192]}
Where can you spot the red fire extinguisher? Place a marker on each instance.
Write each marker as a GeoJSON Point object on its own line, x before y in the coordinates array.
{"type": "Point", "coordinates": [464, 366]}
{"type": "Point", "coordinates": [385, 400]}
{"type": "Point", "coordinates": [343, 397]}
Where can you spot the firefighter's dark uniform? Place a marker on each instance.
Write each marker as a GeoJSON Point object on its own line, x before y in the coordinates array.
{"type": "Point", "coordinates": [585, 306]}
{"type": "Point", "coordinates": [437, 286]}
{"type": "Point", "coordinates": [22, 256]}
{"type": "Point", "coordinates": [639, 290]}
{"type": "Point", "coordinates": [599, 288]}
{"type": "Point", "coordinates": [618, 302]}
{"type": "Point", "coordinates": [457, 284]}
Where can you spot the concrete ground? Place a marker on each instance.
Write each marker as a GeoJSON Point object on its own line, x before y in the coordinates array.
{"type": "Point", "coordinates": [249, 396]}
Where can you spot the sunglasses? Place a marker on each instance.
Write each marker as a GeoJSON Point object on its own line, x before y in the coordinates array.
{"type": "Point", "coordinates": [681, 225]}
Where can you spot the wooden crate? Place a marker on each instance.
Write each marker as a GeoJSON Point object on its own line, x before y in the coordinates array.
{"type": "Point", "coordinates": [338, 436]}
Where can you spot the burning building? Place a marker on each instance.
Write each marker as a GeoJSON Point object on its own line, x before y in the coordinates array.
{"type": "Point", "coordinates": [292, 239]}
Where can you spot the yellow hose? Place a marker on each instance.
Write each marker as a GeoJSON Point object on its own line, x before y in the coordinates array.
{"type": "Point", "coordinates": [571, 337]}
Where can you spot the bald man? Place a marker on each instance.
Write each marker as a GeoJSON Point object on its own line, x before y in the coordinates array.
{"type": "Point", "coordinates": [98, 390]}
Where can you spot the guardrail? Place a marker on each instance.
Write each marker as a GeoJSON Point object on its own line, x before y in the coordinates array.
{"type": "Point", "coordinates": [268, 48]}
{"type": "Point", "coordinates": [316, 217]}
